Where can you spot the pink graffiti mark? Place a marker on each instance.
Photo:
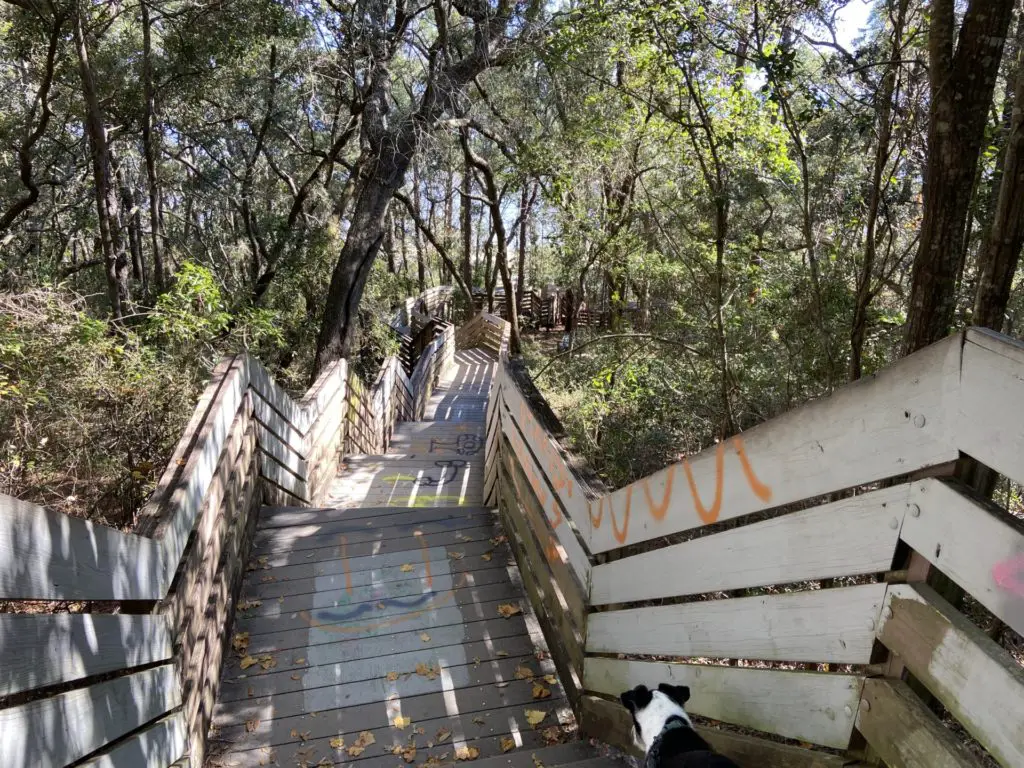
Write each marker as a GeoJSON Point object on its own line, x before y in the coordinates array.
{"type": "Point", "coordinates": [1009, 575]}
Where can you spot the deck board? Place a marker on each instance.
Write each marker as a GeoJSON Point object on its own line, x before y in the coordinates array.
{"type": "Point", "coordinates": [403, 567]}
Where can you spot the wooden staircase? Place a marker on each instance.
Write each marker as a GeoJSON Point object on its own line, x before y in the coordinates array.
{"type": "Point", "coordinates": [391, 628]}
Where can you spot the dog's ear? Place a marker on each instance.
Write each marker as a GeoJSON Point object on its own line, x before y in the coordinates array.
{"type": "Point", "coordinates": [680, 694]}
{"type": "Point", "coordinates": [636, 698]}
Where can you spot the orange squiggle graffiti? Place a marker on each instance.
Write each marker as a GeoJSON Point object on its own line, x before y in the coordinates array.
{"type": "Point", "coordinates": [708, 515]}
{"type": "Point", "coordinates": [659, 510]}
{"type": "Point", "coordinates": [620, 534]}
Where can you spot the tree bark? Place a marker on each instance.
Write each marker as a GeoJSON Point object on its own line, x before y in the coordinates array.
{"type": "Point", "coordinates": [115, 260]}
{"type": "Point", "coordinates": [466, 211]}
{"type": "Point", "coordinates": [500, 236]}
{"type": "Point", "coordinates": [997, 264]}
{"type": "Point", "coordinates": [883, 121]}
{"type": "Point", "coordinates": [151, 149]}
{"type": "Point", "coordinates": [961, 85]}
{"type": "Point", "coordinates": [24, 150]}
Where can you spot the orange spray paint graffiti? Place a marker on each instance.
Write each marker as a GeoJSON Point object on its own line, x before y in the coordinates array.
{"type": "Point", "coordinates": [657, 511]}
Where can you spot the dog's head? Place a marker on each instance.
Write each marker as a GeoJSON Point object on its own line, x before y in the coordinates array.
{"type": "Point", "coordinates": [651, 710]}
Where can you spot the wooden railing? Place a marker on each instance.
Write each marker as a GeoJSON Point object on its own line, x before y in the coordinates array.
{"type": "Point", "coordinates": [128, 677]}
{"type": "Point", "coordinates": [784, 575]}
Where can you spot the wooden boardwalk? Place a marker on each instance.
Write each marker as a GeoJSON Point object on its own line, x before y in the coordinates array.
{"type": "Point", "coordinates": [373, 633]}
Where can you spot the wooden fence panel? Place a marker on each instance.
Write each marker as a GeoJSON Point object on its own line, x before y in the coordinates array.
{"type": "Point", "coordinates": [814, 707]}
{"type": "Point", "coordinates": [827, 625]}
{"type": "Point", "coordinates": [39, 650]}
{"type": "Point", "coordinates": [904, 732]}
{"type": "Point", "coordinates": [854, 536]}
{"type": "Point", "coordinates": [158, 746]}
{"type": "Point", "coordinates": [62, 729]}
{"type": "Point", "coordinates": [976, 680]}
{"type": "Point", "coordinates": [47, 555]}
{"type": "Point", "coordinates": [990, 422]}
{"type": "Point", "coordinates": [977, 545]}
{"type": "Point", "coordinates": [891, 424]}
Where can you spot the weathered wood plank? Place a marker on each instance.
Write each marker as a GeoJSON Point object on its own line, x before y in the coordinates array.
{"type": "Point", "coordinates": [321, 672]}
{"type": "Point", "coordinates": [274, 473]}
{"type": "Point", "coordinates": [977, 681]}
{"type": "Point", "coordinates": [854, 536]}
{"type": "Point", "coordinates": [67, 727]}
{"type": "Point", "coordinates": [891, 424]}
{"type": "Point", "coordinates": [550, 477]}
{"type": "Point", "coordinates": [904, 732]}
{"type": "Point", "coordinates": [46, 649]}
{"type": "Point", "coordinates": [186, 498]}
{"type": "Point", "coordinates": [47, 555]}
{"type": "Point", "coordinates": [565, 638]}
{"type": "Point", "coordinates": [990, 424]}
{"type": "Point", "coordinates": [430, 710]}
{"type": "Point", "coordinates": [459, 673]}
{"type": "Point", "coordinates": [978, 547]}
{"type": "Point", "coordinates": [157, 746]}
{"type": "Point", "coordinates": [830, 625]}
{"type": "Point", "coordinates": [611, 723]}
{"type": "Point", "coordinates": [462, 593]}
{"type": "Point", "coordinates": [544, 544]}
{"type": "Point", "coordinates": [809, 706]}
{"type": "Point", "coordinates": [441, 614]}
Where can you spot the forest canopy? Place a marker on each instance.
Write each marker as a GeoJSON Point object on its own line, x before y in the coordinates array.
{"type": "Point", "coordinates": [758, 202]}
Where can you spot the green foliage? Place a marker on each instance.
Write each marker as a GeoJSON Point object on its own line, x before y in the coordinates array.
{"type": "Point", "coordinates": [89, 413]}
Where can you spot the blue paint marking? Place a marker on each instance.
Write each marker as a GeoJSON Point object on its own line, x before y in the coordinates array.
{"type": "Point", "coordinates": [364, 608]}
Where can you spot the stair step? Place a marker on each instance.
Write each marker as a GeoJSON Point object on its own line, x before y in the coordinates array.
{"type": "Point", "coordinates": [556, 755]}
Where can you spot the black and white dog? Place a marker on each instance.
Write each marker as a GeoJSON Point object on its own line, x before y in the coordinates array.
{"type": "Point", "coordinates": [665, 732]}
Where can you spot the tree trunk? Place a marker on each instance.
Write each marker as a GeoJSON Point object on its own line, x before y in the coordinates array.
{"type": "Point", "coordinates": [997, 264]}
{"type": "Point", "coordinates": [525, 203]}
{"type": "Point", "coordinates": [114, 258]}
{"type": "Point", "coordinates": [467, 227]}
{"type": "Point", "coordinates": [365, 235]}
{"type": "Point", "coordinates": [961, 84]}
{"type": "Point", "coordinates": [729, 427]}
{"type": "Point", "coordinates": [883, 119]}
{"type": "Point", "coordinates": [151, 147]}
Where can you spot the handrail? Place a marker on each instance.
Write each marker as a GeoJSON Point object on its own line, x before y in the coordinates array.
{"type": "Point", "coordinates": [248, 442]}
{"type": "Point", "coordinates": [753, 523]}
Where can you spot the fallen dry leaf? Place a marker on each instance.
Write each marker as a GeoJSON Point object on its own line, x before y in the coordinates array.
{"type": "Point", "coordinates": [551, 734]}
{"type": "Point", "coordinates": [381, 606]}
{"type": "Point", "coordinates": [540, 692]}
{"type": "Point", "coordinates": [507, 743]}
{"type": "Point", "coordinates": [251, 692]}
{"type": "Point", "coordinates": [428, 671]}
{"type": "Point", "coordinates": [267, 661]}
{"type": "Point", "coordinates": [392, 676]}
{"type": "Point", "coordinates": [409, 753]}
{"type": "Point", "coordinates": [402, 723]}
{"type": "Point", "coordinates": [550, 679]}
{"type": "Point", "coordinates": [324, 763]}
{"type": "Point", "coordinates": [486, 556]}
{"type": "Point", "coordinates": [267, 579]}
{"type": "Point", "coordinates": [240, 641]}
{"type": "Point", "coordinates": [296, 677]}
{"type": "Point", "coordinates": [540, 655]}
{"type": "Point", "coordinates": [424, 637]}
{"type": "Point", "coordinates": [524, 673]}
{"type": "Point", "coordinates": [338, 742]}
{"type": "Point", "coordinates": [246, 605]}
{"type": "Point", "coordinates": [420, 730]}
{"type": "Point", "coordinates": [300, 660]}
{"type": "Point", "coordinates": [443, 735]}
{"type": "Point", "coordinates": [456, 555]}
{"type": "Point", "coordinates": [536, 761]}
{"type": "Point", "coordinates": [499, 540]}
{"type": "Point", "coordinates": [365, 739]}
{"type": "Point", "coordinates": [479, 720]}
{"type": "Point", "coordinates": [248, 661]}
{"type": "Point", "coordinates": [406, 567]}
{"type": "Point", "coordinates": [355, 751]}
{"type": "Point", "coordinates": [535, 716]}
{"type": "Point", "coordinates": [251, 725]}
{"type": "Point", "coordinates": [501, 654]}
{"type": "Point", "coordinates": [467, 753]}
{"type": "Point", "coordinates": [508, 610]}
